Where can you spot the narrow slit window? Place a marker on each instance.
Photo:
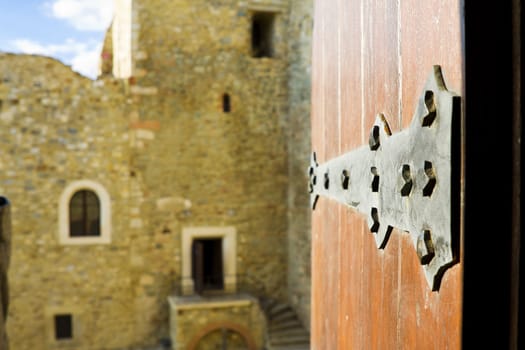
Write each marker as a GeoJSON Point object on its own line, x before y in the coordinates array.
{"type": "Point", "coordinates": [262, 34]}
{"type": "Point", "coordinates": [63, 327]}
{"type": "Point", "coordinates": [84, 214]}
{"type": "Point", "coordinates": [226, 103]}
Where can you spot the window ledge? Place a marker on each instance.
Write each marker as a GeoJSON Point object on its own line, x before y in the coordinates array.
{"type": "Point", "coordinates": [84, 240]}
{"type": "Point", "coordinates": [197, 302]}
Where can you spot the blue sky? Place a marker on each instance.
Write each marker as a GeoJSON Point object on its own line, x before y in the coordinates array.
{"type": "Point", "coordinates": [69, 30]}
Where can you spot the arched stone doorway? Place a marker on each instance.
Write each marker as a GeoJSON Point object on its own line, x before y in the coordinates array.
{"type": "Point", "coordinates": [222, 336]}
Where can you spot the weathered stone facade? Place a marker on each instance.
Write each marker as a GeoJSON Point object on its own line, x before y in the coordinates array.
{"type": "Point", "coordinates": [196, 321]}
{"type": "Point", "coordinates": [299, 150]}
{"type": "Point", "coordinates": [61, 127]}
{"type": "Point", "coordinates": [158, 137]}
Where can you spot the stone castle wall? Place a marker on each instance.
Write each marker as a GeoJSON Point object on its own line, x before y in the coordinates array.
{"type": "Point", "coordinates": [170, 158]}
{"type": "Point", "coordinates": [231, 166]}
{"type": "Point", "coordinates": [58, 127]}
{"type": "Point", "coordinates": [222, 168]}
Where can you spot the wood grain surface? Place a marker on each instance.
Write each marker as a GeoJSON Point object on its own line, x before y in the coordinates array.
{"type": "Point", "coordinates": [374, 57]}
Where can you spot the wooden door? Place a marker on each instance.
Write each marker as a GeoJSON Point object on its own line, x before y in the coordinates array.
{"type": "Point", "coordinates": [374, 57]}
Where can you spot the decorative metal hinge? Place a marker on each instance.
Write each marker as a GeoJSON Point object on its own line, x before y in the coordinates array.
{"type": "Point", "coordinates": [404, 180]}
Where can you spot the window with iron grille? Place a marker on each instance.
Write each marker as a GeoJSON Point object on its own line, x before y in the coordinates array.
{"type": "Point", "coordinates": [63, 327]}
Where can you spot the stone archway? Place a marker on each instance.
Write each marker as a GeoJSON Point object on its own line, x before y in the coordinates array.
{"type": "Point", "coordinates": [217, 326]}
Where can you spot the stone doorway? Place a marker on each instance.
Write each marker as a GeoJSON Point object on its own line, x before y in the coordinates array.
{"type": "Point", "coordinates": [207, 265]}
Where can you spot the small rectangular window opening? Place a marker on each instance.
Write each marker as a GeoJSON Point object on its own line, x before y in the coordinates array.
{"type": "Point", "coordinates": [226, 103]}
{"type": "Point", "coordinates": [262, 34]}
{"type": "Point", "coordinates": [63, 327]}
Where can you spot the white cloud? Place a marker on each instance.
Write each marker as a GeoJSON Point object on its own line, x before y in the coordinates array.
{"type": "Point", "coordinates": [82, 56]}
{"type": "Point", "coordinates": [84, 15]}
{"type": "Point", "coordinates": [87, 63]}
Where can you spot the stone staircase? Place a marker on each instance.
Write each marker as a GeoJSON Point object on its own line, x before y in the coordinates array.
{"type": "Point", "coordinates": [285, 331]}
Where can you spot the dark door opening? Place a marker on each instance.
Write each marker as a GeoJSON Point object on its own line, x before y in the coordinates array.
{"type": "Point", "coordinates": [262, 34]}
{"type": "Point", "coordinates": [207, 265]}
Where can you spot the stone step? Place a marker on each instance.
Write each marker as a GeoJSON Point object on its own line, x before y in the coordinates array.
{"type": "Point", "coordinates": [290, 342]}
{"type": "Point", "coordinates": [285, 331]}
{"type": "Point", "coordinates": [287, 324]}
{"type": "Point", "coordinates": [277, 309]}
{"type": "Point", "coordinates": [289, 332]}
{"type": "Point", "coordinates": [285, 315]}
{"type": "Point", "coordinates": [292, 339]}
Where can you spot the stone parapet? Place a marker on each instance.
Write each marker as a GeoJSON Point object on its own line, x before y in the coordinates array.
{"type": "Point", "coordinates": [198, 322]}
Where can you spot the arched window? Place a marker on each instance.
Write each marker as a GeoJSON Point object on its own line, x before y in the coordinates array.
{"type": "Point", "coordinates": [84, 214]}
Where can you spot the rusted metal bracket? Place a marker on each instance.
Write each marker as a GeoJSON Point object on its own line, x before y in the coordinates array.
{"type": "Point", "coordinates": [404, 180]}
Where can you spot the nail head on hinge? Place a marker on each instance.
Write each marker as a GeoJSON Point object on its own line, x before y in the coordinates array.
{"type": "Point", "coordinates": [374, 220]}
{"type": "Point", "coordinates": [430, 104]}
{"type": "Point", "coordinates": [345, 178]}
{"type": "Point", "coordinates": [407, 178]}
{"type": "Point", "coordinates": [310, 183]}
{"type": "Point", "coordinates": [425, 247]}
{"type": "Point", "coordinates": [431, 176]}
{"type": "Point", "coordinates": [373, 141]}
{"type": "Point", "coordinates": [375, 179]}
{"type": "Point", "coordinates": [312, 176]}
